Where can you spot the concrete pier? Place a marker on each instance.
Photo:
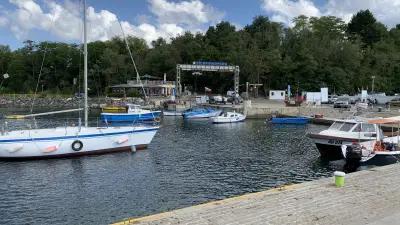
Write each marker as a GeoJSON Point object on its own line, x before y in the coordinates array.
{"type": "Point", "coordinates": [368, 197]}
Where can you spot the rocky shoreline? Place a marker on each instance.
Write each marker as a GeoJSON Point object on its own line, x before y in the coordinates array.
{"type": "Point", "coordinates": [23, 101]}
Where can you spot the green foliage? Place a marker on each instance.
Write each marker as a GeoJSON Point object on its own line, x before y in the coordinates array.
{"type": "Point", "coordinates": [364, 25]}
{"type": "Point", "coordinates": [315, 52]}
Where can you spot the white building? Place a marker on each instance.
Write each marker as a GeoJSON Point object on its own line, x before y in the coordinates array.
{"type": "Point", "coordinates": [317, 97]}
{"type": "Point", "coordinates": [277, 95]}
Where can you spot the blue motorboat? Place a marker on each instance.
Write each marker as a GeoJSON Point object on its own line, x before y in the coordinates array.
{"type": "Point", "coordinates": [289, 120]}
{"type": "Point", "coordinates": [135, 113]}
{"type": "Point", "coordinates": [200, 113]}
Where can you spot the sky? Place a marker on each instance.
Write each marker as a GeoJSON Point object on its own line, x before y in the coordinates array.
{"type": "Point", "coordinates": [60, 20]}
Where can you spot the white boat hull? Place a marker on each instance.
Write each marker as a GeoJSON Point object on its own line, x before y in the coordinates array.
{"type": "Point", "coordinates": [203, 115]}
{"type": "Point", "coordinates": [376, 158]}
{"type": "Point", "coordinates": [172, 113]}
{"type": "Point", "coordinates": [330, 146]}
{"type": "Point", "coordinates": [222, 119]}
{"type": "Point", "coordinates": [58, 142]}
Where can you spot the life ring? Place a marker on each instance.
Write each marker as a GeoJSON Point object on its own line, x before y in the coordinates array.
{"type": "Point", "coordinates": [77, 145]}
{"type": "Point", "coordinates": [157, 119]}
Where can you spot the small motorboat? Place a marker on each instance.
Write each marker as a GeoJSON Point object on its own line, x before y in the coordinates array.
{"type": "Point", "coordinates": [113, 109]}
{"type": "Point", "coordinates": [117, 105]}
{"type": "Point", "coordinates": [171, 113]}
{"type": "Point", "coordinates": [343, 132]}
{"type": "Point", "coordinates": [376, 153]}
{"type": "Point", "coordinates": [289, 120]}
{"type": "Point", "coordinates": [379, 152]}
{"type": "Point", "coordinates": [229, 117]}
{"type": "Point", "coordinates": [135, 113]}
{"type": "Point", "coordinates": [201, 113]}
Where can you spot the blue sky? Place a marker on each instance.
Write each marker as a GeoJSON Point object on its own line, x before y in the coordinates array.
{"type": "Point", "coordinates": [59, 20]}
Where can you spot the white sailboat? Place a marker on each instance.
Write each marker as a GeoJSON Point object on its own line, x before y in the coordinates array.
{"type": "Point", "coordinates": [74, 141]}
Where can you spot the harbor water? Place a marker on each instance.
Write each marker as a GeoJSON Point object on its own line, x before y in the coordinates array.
{"type": "Point", "coordinates": [187, 163]}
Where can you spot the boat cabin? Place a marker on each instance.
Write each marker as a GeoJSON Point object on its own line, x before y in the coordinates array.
{"type": "Point", "coordinates": [133, 108]}
{"type": "Point", "coordinates": [364, 129]}
{"type": "Point", "coordinates": [230, 114]}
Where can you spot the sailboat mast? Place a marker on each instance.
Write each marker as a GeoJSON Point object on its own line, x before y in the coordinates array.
{"type": "Point", "coordinates": [85, 70]}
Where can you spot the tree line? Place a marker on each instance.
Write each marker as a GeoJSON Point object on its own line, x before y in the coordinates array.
{"type": "Point", "coordinates": [313, 53]}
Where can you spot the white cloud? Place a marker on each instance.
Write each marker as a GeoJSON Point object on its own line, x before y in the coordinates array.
{"type": "Point", "coordinates": [190, 13]}
{"type": "Point", "coordinates": [284, 11]}
{"type": "Point", "coordinates": [64, 20]}
{"type": "Point", "coordinates": [386, 11]}
{"type": "Point", "coordinates": [3, 21]}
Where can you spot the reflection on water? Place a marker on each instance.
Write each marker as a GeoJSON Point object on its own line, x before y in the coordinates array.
{"type": "Point", "coordinates": [188, 162]}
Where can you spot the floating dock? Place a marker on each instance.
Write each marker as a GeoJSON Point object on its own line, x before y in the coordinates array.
{"type": "Point", "coordinates": [368, 197]}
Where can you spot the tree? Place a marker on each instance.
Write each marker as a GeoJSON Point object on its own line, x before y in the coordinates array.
{"type": "Point", "coordinates": [365, 26]}
{"type": "Point", "coordinates": [315, 52]}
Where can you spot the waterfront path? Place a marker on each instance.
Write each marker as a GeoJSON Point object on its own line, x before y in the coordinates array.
{"type": "Point", "coordinates": [369, 197]}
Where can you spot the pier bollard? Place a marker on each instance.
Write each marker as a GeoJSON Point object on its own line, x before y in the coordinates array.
{"type": "Point", "coordinates": [339, 178]}
{"type": "Point", "coordinates": [133, 148]}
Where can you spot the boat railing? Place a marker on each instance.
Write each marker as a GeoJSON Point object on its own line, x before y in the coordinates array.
{"type": "Point", "coordinates": [8, 125]}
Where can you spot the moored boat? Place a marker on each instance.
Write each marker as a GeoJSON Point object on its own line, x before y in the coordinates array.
{"type": "Point", "coordinates": [379, 152]}
{"type": "Point", "coordinates": [135, 113]}
{"type": "Point", "coordinates": [289, 120]}
{"type": "Point", "coordinates": [201, 113]}
{"type": "Point", "coordinates": [171, 113]}
{"type": "Point", "coordinates": [343, 132]}
{"type": "Point", "coordinates": [74, 140]}
{"type": "Point", "coordinates": [229, 117]}
{"type": "Point", "coordinates": [113, 109]}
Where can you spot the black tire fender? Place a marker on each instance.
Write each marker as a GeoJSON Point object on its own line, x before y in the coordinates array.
{"type": "Point", "coordinates": [77, 145]}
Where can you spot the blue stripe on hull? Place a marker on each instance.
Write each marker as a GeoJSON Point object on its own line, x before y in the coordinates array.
{"type": "Point", "coordinates": [74, 137]}
{"type": "Point", "coordinates": [129, 117]}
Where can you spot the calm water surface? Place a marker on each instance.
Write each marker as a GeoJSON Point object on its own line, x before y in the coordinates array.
{"type": "Point", "coordinates": [187, 163]}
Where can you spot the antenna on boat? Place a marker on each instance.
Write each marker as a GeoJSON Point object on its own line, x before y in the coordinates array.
{"type": "Point", "coordinates": [85, 69]}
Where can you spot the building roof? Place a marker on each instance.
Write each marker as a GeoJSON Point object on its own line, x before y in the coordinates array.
{"type": "Point", "coordinates": [146, 84]}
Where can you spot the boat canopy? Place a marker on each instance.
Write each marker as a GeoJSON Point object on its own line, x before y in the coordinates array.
{"type": "Point", "coordinates": [389, 120]}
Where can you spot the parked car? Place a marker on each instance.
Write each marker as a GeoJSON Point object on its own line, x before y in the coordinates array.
{"type": "Point", "coordinates": [332, 99]}
{"type": "Point", "coordinates": [230, 93]}
{"type": "Point", "coordinates": [234, 100]}
{"type": "Point", "coordinates": [395, 102]}
{"type": "Point", "coordinates": [342, 102]}
{"type": "Point", "coordinates": [217, 99]}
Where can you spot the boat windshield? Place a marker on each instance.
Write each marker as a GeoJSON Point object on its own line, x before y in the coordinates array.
{"type": "Point", "coordinates": [335, 126]}
{"type": "Point", "coordinates": [365, 127]}
{"type": "Point", "coordinates": [341, 126]}
{"type": "Point", "coordinates": [346, 126]}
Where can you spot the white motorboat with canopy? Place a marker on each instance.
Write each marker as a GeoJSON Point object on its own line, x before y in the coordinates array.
{"type": "Point", "coordinates": [74, 140]}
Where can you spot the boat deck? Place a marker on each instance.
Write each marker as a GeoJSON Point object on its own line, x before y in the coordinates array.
{"type": "Point", "coordinates": [368, 197]}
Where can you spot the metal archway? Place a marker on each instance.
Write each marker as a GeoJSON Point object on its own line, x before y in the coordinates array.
{"type": "Point", "coordinates": [207, 67]}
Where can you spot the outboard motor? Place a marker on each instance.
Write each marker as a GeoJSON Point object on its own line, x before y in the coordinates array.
{"type": "Point", "coordinates": [353, 157]}
{"type": "Point", "coordinates": [353, 153]}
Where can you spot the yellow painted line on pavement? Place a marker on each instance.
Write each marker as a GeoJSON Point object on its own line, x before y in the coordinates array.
{"type": "Point", "coordinates": [243, 197]}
